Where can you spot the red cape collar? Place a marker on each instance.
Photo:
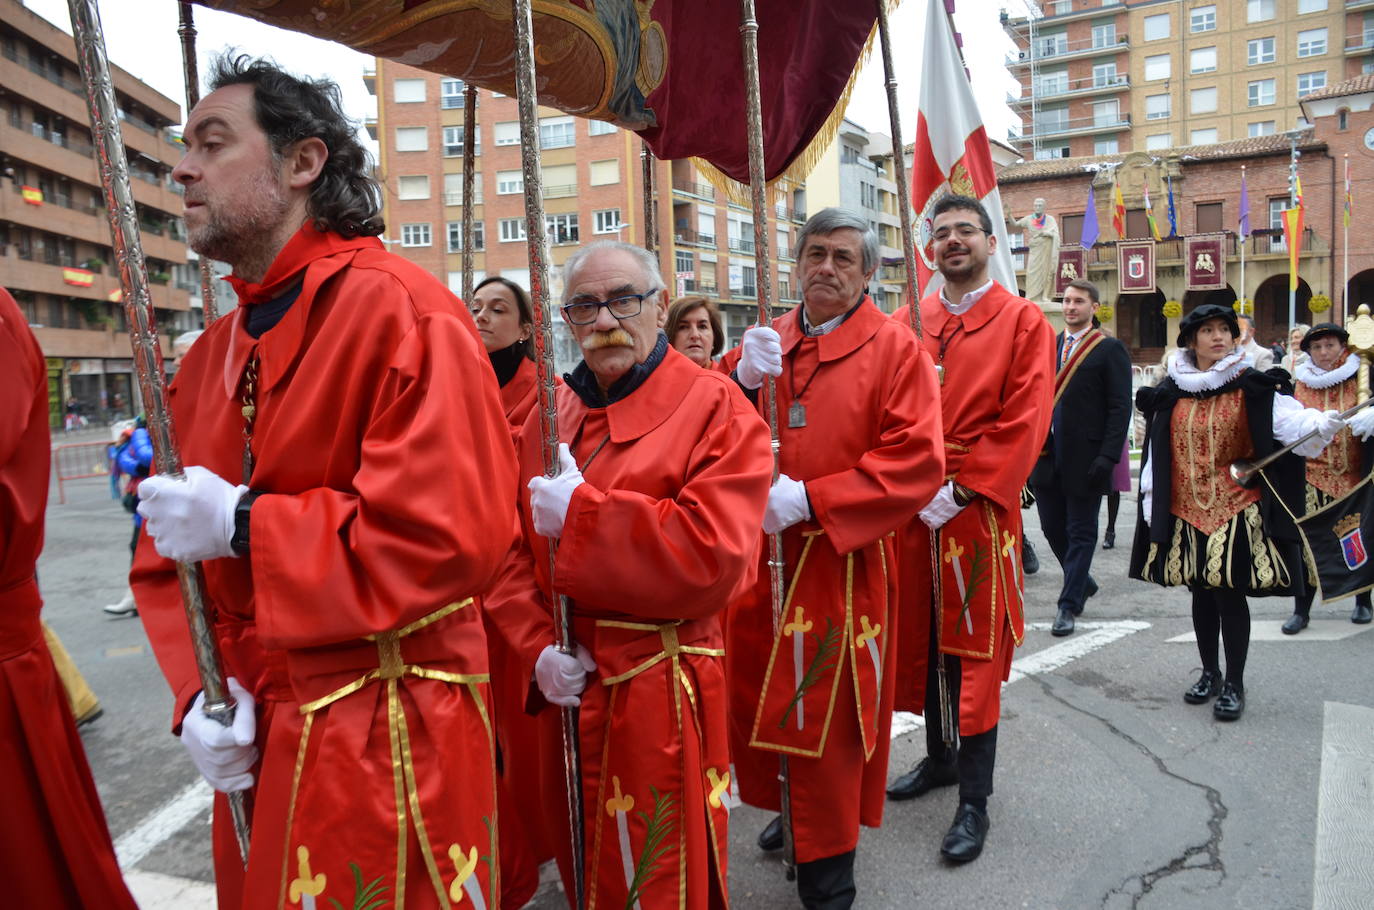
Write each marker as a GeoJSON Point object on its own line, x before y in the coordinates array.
{"type": "Point", "coordinates": [305, 246]}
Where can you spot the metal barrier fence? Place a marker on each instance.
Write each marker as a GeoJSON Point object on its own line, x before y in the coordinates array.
{"type": "Point", "coordinates": [78, 461]}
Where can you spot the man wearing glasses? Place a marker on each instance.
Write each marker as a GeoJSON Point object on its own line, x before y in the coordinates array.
{"type": "Point", "coordinates": [858, 410]}
{"type": "Point", "coordinates": [994, 352]}
{"type": "Point", "coordinates": [663, 479]}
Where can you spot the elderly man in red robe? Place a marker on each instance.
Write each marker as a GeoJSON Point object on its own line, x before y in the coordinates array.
{"type": "Point", "coordinates": [994, 352]}
{"type": "Point", "coordinates": [663, 478]}
{"type": "Point", "coordinates": [55, 850]}
{"type": "Point", "coordinates": [350, 498]}
{"type": "Point", "coordinates": [861, 452]}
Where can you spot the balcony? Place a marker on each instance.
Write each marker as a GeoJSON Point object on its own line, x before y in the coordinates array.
{"type": "Point", "coordinates": [1359, 4]}
{"type": "Point", "coordinates": [560, 190]}
{"type": "Point", "coordinates": [1075, 88]}
{"type": "Point", "coordinates": [696, 238]}
{"type": "Point", "coordinates": [456, 198]}
{"type": "Point", "coordinates": [1067, 50]}
{"type": "Point", "coordinates": [1068, 10]}
{"type": "Point", "coordinates": [704, 289]}
{"type": "Point", "coordinates": [741, 245]}
{"type": "Point", "coordinates": [700, 190]}
{"type": "Point", "coordinates": [370, 79]}
{"type": "Point", "coordinates": [1078, 126]}
{"type": "Point", "coordinates": [1360, 42]}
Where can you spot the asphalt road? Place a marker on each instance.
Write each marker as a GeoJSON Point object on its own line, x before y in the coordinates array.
{"type": "Point", "coordinates": [1110, 791]}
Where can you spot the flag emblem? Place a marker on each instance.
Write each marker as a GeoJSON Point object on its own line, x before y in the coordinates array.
{"type": "Point", "coordinates": [1352, 541]}
{"type": "Point", "coordinates": [1135, 265]}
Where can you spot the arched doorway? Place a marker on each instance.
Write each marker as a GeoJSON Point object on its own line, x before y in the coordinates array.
{"type": "Point", "coordinates": [1217, 297]}
{"type": "Point", "coordinates": [1271, 308]}
{"type": "Point", "coordinates": [1361, 291]}
{"type": "Point", "coordinates": [1142, 326]}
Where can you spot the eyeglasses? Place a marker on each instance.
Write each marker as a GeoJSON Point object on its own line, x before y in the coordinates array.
{"type": "Point", "coordinates": [963, 230]}
{"type": "Point", "coordinates": [584, 310]}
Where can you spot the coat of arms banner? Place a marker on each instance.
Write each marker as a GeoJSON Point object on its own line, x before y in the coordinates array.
{"type": "Point", "coordinates": [1072, 266]}
{"type": "Point", "coordinates": [1135, 264]}
{"type": "Point", "coordinates": [1204, 258]}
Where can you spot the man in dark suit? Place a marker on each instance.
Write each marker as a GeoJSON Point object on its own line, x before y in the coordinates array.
{"type": "Point", "coordinates": [1092, 408]}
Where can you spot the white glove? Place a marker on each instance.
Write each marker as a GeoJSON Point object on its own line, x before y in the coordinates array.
{"type": "Point", "coordinates": [1330, 425]}
{"type": "Point", "coordinates": [562, 677]}
{"type": "Point", "coordinates": [760, 355]}
{"type": "Point", "coordinates": [193, 519]}
{"type": "Point", "coordinates": [549, 496]}
{"type": "Point", "coordinates": [787, 505]}
{"type": "Point", "coordinates": [1362, 424]}
{"type": "Point", "coordinates": [942, 508]}
{"type": "Point", "coordinates": [224, 755]}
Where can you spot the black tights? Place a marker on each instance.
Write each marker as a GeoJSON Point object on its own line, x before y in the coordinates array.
{"type": "Point", "coordinates": [1225, 613]}
{"type": "Point", "coordinates": [1113, 504]}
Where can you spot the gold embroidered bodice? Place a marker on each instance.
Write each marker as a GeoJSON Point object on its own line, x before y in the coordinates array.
{"type": "Point", "coordinates": [1337, 469]}
{"type": "Point", "coordinates": [1206, 435]}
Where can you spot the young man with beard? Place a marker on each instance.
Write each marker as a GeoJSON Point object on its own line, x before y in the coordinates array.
{"type": "Point", "coordinates": [995, 355]}
{"type": "Point", "coordinates": [664, 476]}
{"type": "Point", "coordinates": [1092, 408]}
{"type": "Point", "coordinates": [350, 498]}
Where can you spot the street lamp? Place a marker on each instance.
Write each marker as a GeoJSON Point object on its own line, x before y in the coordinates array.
{"type": "Point", "coordinates": [620, 226]}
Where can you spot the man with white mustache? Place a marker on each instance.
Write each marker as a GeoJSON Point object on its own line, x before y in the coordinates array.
{"type": "Point", "coordinates": [664, 473]}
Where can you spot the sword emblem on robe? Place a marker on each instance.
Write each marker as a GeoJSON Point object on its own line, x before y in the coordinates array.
{"type": "Point", "coordinates": [465, 882]}
{"type": "Point", "coordinates": [306, 887]}
{"type": "Point", "coordinates": [868, 636]}
{"type": "Point", "coordinates": [1009, 550]}
{"type": "Point", "coordinates": [798, 628]}
{"type": "Point", "coordinates": [952, 554]}
{"type": "Point", "coordinates": [619, 806]}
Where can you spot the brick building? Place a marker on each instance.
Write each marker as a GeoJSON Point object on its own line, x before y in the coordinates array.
{"type": "Point", "coordinates": [1206, 183]}
{"type": "Point", "coordinates": [55, 253]}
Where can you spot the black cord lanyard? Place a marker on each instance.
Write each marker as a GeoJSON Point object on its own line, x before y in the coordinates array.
{"type": "Point", "coordinates": [944, 345]}
{"type": "Point", "coordinates": [796, 412]}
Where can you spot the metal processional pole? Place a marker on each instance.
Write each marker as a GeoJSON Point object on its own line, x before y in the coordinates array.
{"type": "Point", "coordinates": [186, 28]}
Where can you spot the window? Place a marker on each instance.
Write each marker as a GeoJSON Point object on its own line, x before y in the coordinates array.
{"type": "Point", "coordinates": [1261, 92]}
{"type": "Point", "coordinates": [706, 227]}
{"type": "Point", "coordinates": [512, 229]}
{"type": "Point", "coordinates": [1342, 119]}
{"type": "Point", "coordinates": [453, 189]}
{"type": "Point", "coordinates": [455, 236]}
{"type": "Point", "coordinates": [1203, 137]}
{"type": "Point", "coordinates": [1105, 145]}
{"type": "Point", "coordinates": [1158, 141]}
{"type": "Point", "coordinates": [849, 154]}
{"type": "Point", "coordinates": [1157, 67]}
{"type": "Point", "coordinates": [600, 128]}
{"type": "Point", "coordinates": [509, 182]}
{"type": "Point", "coordinates": [562, 228]}
{"type": "Point", "coordinates": [559, 180]}
{"type": "Point", "coordinates": [1106, 113]}
{"type": "Point", "coordinates": [412, 187]}
{"type": "Point", "coordinates": [1050, 44]}
{"type": "Point", "coordinates": [1259, 10]}
{"type": "Point", "coordinates": [409, 90]}
{"type": "Point", "coordinates": [1104, 35]}
{"type": "Point", "coordinates": [412, 139]}
{"type": "Point", "coordinates": [1156, 107]}
{"type": "Point", "coordinates": [1156, 27]}
{"type": "Point", "coordinates": [1047, 153]}
{"type": "Point", "coordinates": [1312, 42]}
{"type": "Point", "coordinates": [1310, 82]}
{"type": "Point", "coordinates": [1367, 67]}
{"type": "Point", "coordinates": [684, 261]}
{"type": "Point", "coordinates": [507, 133]}
{"type": "Point", "coordinates": [415, 234]}
{"type": "Point", "coordinates": [1202, 19]}
{"type": "Point", "coordinates": [1055, 82]}
{"type": "Point", "coordinates": [555, 132]}
{"type": "Point", "coordinates": [451, 93]}
{"type": "Point", "coordinates": [607, 221]}
{"type": "Point", "coordinates": [1260, 50]}
{"type": "Point", "coordinates": [1052, 120]}
{"type": "Point", "coordinates": [453, 142]}
{"type": "Point", "coordinates": [1209, 217]}
{"type": "Point", "coordinates": [868, 195]}
{"type": "Point", "coordinates": [1277, 205]}
{"type": "Point", "coordinates": [1202, 60]}
{"type": "Point", "coordinates": [1137, 225]}
{"type": "Point", "coordinates": [1261, 128]}
{"type": "Point", "coordinates": [1202, 101]}
{"type": "Point", "coordinates": [1104, 75]}
{"type": "Point", "coordinates": [1311, 6]}
{"type": "Point", "coordinates": [1071, 228]}
{"type": "Point", "coordinates": [605, 173]}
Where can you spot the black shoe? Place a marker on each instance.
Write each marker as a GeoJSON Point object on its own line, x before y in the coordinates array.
{"type": "Point", "coordinates": [770, 838]}
{"type": "Point", "coordinates": [964, 842]}
{"type": "Point", "coordinates": [1109, 539]}
{"type": "Point", "coordinates": [1089, 589]}
{"type": "Point", "coordinates": [91, 715]}
{"type": "Point", "coordinates": [1230, 704]}
{"type": "Point", "coordinates": [1294, 624]}
{"type": "Point", "coordinates": [1063, 623]}
{"type": "Point", "coordinates": [1205, 689]}
{"type": "Point", "coordinates": [1029, 561]}
{"type": "Point", "coordinates": [926, 776]}
{"type": "Point", "coordinates": [1361, 614]}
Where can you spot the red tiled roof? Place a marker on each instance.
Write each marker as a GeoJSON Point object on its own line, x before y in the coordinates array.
{"type": "Point", "coordinates": [1361, 83]}
{"type": "Point", "coordinates": [1276, 144]}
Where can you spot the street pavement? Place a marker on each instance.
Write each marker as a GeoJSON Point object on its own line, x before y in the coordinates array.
{"type": "Point", "coordinates": [1111, 792]}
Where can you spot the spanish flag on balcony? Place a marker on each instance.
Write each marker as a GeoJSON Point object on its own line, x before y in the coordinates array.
{"type": "Point", "coordinates": [115, 296]}
{"type": "Point", "coordinates": [1292, 235]}
{"type": "Point", "coordinates": [1118, 212]}
{"type": "Point", "coordinates": [79, 277]}
{"type": "Point", "coordinates": [32, 195]}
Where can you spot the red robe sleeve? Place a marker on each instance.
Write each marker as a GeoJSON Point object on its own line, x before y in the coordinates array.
{"type": "Point", "coordinates": [896, 476]}
{"type": "Point", "coordinates": [429, 519]}
{"type": "Point", "coordinates": [999, 462]}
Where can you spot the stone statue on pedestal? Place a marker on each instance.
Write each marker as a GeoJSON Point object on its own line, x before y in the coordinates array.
{"type": "Point", "coordinates": [1041, 231]}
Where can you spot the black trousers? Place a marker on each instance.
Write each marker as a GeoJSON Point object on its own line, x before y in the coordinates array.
{"type": "Point", "coordinates": [1069, 523]}
{"type": "Point", "coordinates": [1302, 604]}
{"type": "Point", "coordinates": [974, 756]}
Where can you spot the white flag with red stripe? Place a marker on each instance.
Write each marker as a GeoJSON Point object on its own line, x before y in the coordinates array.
{"type": "Point", "coordinates": [951, 152]}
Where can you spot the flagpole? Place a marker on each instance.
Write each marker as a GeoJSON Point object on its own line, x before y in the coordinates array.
{"type": "Point", "coordinates": [1345, 252]}
{"type": "Point", "coordinates": [1244, 236]}
{"type": "Point", "coordinates": [1293, 260]}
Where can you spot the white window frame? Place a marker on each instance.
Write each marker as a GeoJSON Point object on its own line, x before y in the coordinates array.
{"type": "Point", "coordinates": [1159, 141]}
{"type": "Point", "coordinates": [510, 183]}
{"type": "Point", "coordinates": [413, 192]}
{"type": "Point", "coordinates": [1202, 100]}
{"type": "Point", "coordinates": [456, 147]}
{"type": "Point", "coordinates": [600, 128]}
{"type": "Point", "coordinates": [1153, 23]}
{"type": "Point", "coordinates": [563, 228]}
{"type": "Point", "coordinates": [1259, 10]}
{"type": "Point", "coordinates": [412, 97]}
{"type": "Point", "coordinates": [1261, 128]}
{"type": "Point", "coordinates": [1106, 145]}
{"type": "Point", "coordinates": [1152, 111]}
{"type": "Point", "coordinates": [417, 234]}
{"type": "Point", "coordinates": [1312, 42]}
{"type": "Point", "coordinates": [1311, 6]}
{"type": "Point", "coordinates": [455, 236]}
{"type": "Point", "coordinates": [1255, 93]}
{"type": "Point", "coordinates": [512, 230]}
{"type": "Point", "coordinates": [605, 221]}
{"type": "Point", "coordinates": [557, 132]}
{"type": "Point", "coordinates": [411, 132]}
{"type": "Point", "coordinates": [1104, 35]}
{"type": "Point", "coordinates": [506, 132]}
{"type": "Point", "coordinates": [1207, 63]}
{"type": "Point", "coordinates": [451, 93]}
{"type": "Point", "coordinates": [1153, 63]}
{"type": "Point", "coordinates": [1305, 82]}
{"type": "Point", "coordinates": [1260, 51]}
{"type": "Point", "coordinates": [1207, 136]}
{"type": "Point", "coordinates": [1202, 19]}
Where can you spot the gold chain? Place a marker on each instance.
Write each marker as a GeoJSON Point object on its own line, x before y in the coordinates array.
{"type": "Point", "coordinates": [249, 396]}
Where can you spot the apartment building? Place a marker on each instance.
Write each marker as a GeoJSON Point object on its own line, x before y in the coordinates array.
{"type": "Point", "coordinates": [1106, 77]}
{"type": "Point", "coordinates": [593, 189]}
{"type": "Point", "coordinates": [55, 248]}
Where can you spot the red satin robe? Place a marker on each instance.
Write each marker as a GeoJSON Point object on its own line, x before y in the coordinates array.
{"type": "Point", "coordinates": [518, 396]}
{"type": "Point", "coordinates": [657, 541]}
{"type": "Point", "coordinates": [388, 479]}
{"type": "Point", "coordinates": [998, 385]}
{"type": "Point", "coordinates": [55, 851]}
{"type": "Point", "coordinates": [821, 692]}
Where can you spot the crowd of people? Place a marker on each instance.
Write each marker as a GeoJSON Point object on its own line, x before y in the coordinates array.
{"type": "Point", "coordinates": [388, 538]}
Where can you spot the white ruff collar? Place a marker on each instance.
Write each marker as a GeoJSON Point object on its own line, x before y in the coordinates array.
{"type": "Point", "coordinates": [1189, 378]}
{"type": "Point", "coordinates": [1312, 376]}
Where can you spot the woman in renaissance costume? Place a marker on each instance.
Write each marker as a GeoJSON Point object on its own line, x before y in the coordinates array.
{"type": "Point", "coordinates": [1197, 526]}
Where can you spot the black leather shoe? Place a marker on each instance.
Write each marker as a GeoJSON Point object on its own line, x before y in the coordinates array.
{"type": "Point", "coordinates": [1230, 704]}
{"type": "Point", "coordinates": [1029, 561]}
{"type": "Point", "coordinates": [1205, 689]}
{"type": "Point", "coordinates": [770, 838]}
{"type": "Point", "coordinates": [1294, 624]}
{"type": "Point", "coordinates": [1063, 623]}
{"type": "Point", "coordinates": [1109, 539]}
{"type": "Point", "coordinates": [1361, 614]}
{"type": "Point", "coordinates": [964, 842]}
{"type": "Point", "coordinates": [926, 776]}
{"type": "Point", "coordinates": [1089, 589]}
